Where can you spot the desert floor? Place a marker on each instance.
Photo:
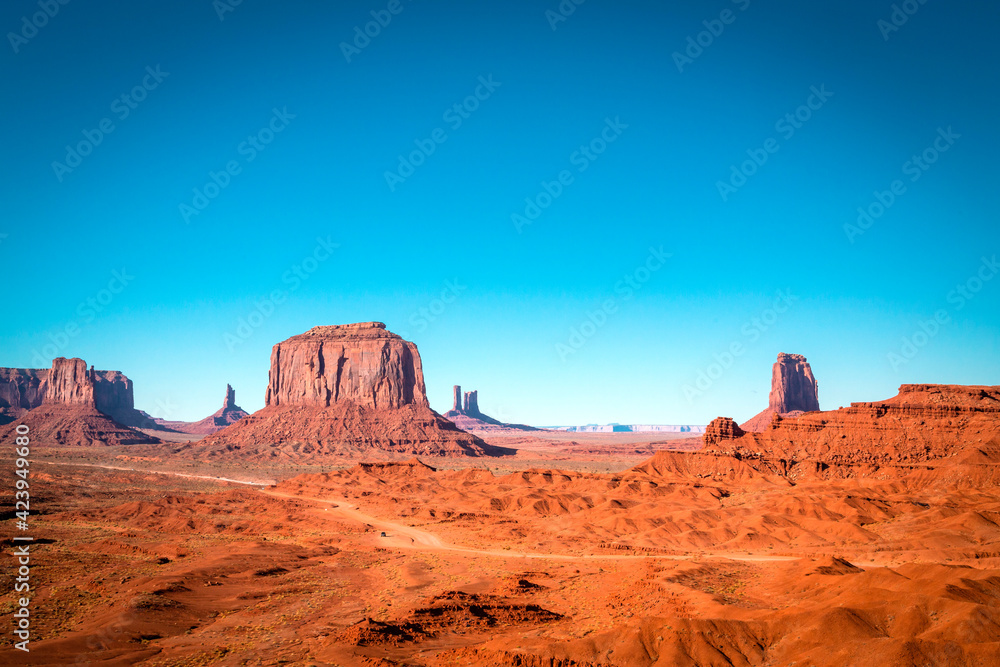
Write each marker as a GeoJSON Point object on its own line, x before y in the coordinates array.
{"type": "Point", "coordinates": [579, 551]}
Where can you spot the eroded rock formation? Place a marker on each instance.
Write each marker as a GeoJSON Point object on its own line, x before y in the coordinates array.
{"type": "Point", "coordinates": [793, 387]}
{"type": "Point", "coordinates": [466, 415]}
{"type": "Point", "coordinates": [230, 413]}
{"type": "Point", "coordinates": [21, 389]}
{"type": "Point", "coordinates": [362, 363]}
{"type": "Point", "coordinates": [70, 383]}
{"type": "Point", "coordinates": [921, 424]}
{"type": "Point", "coordinates": [472, 403]}
{"type": "Point", "coordinates": [345, 390]}
{"type": "Point", "coordinates": [793, 392]}
{"type": "Point", "coordinates": [722, 428]}
{"type": "Point", "coordinates": [71, 404]}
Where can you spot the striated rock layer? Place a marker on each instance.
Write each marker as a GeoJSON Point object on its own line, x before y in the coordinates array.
{"type": "Point", "coordinates": [923, 425]}
{"type": "Point", "coordinates": [793, 392]}
{"type": "Point", "coordinates": [722, 428]}
{"type": "Point", "coordinates": [345, 390]}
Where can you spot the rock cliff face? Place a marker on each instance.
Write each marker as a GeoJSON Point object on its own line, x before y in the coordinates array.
{"type": "Point", "coordinates": [793, 386]}
{"type": "Point", "coordinates": [344, 391]}
{"type": "Point", "coordinates": [21, 389]}
{"type": "Point", "coordinates": [113, 395]}
{"type": "Point", "coordinates": [70, 383]}
{"type": "Point", "coordinates": [793, 391]}
{"type": "Point", "coordinates": [70, 404]}
{"type": "Point", "coordinates": [362, 363]}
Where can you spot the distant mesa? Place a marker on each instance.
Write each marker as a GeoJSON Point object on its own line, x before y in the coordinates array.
{"type": "Point", "coordinates": [466, 415]}
{"type": "Point", "coordinates": [72, 405]}
{"type": "Point", "coordinates": [230, 413]}
{"type": "Point", "coordinates": [793, 392]}
{"type": "Point", "coordinates": [343, 390]}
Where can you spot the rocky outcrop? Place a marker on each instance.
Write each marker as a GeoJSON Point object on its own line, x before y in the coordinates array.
{"type": "Point", "coordinates": [21, 389]}
{"type": "Point", "coordinates": [456, 405]}
{"type": "Point", "coordinates": [922, 424]}
{"type": "Point", "coordinates": [344, 391]}
{"type": "Point", "coordinates": [362, 363]}
{"type": "Point", "coordinates": [793, 392]}
{"type": "Point", "coordinates": [793, 386]}
{"type": "Point", "coordinates": [472, 403]}
{"type": "Point", "coordinates": [229, 403]}
{"type": "Point", "coordinates": [722, 428]}
{"type": "Point", "coordinates": [69, 382]}
{"type": "Point", "coordinates": [71, 404]}
{"type": "Point", "coordinates": [230, 413]}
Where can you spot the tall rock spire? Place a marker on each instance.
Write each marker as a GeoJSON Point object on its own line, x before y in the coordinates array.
{"type": "Point", "coordinates": [793, 386]}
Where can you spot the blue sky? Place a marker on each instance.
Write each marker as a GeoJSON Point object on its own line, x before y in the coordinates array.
{"type": "Point", "coordinates": [642, 138]}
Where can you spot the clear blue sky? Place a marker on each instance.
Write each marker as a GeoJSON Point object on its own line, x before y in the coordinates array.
{"type": "Point", "coordinates": [519, 290]}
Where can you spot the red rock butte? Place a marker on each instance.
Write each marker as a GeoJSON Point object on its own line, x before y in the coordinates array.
{"type": "Point", "coordinates": [363, 363]}
{"type": "Point", "coordinates": [345, 390]}
{"type": "Point", "coordinates": [793, 392]}
{"type": "Point", "coordinates": [70, 404]}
